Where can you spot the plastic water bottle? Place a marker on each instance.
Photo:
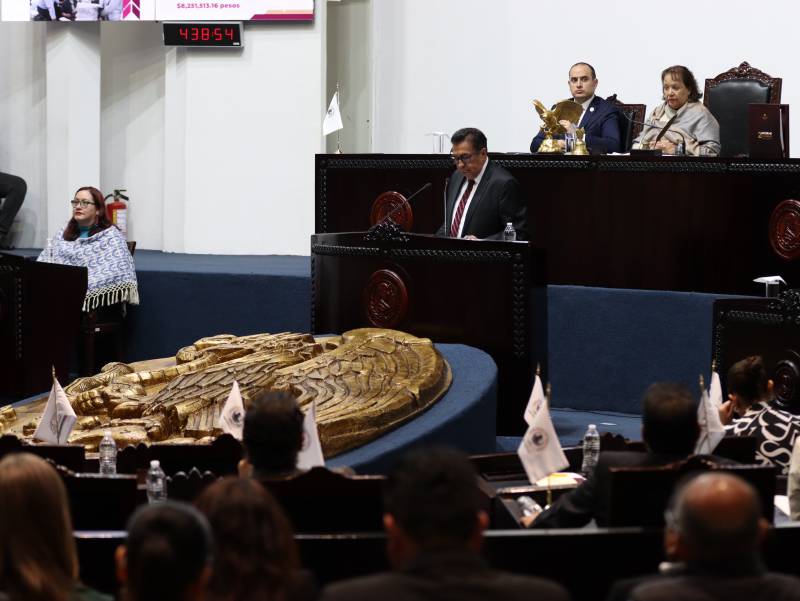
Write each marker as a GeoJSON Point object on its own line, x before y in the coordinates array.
{"type": "Point", "coordinates": [509, 234]}
{"type": "Point", "coordinates": [108, 454]}
{"type": "Point", "coordinates": [156, 483]}
{"type": "Point", "coordinates": [591, 449]}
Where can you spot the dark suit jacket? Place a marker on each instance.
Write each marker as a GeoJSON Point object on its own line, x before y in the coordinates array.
{"type": "Point", "coordinates": [442, 576]}
{"type": "Point", "coordinates": [736, 582]}
{"type": "Point", "coordinates": [590, 499]}
{"type": "Point", "coordinates": [497, 201]}
{"type": "Point", "coordinates": [602, 126]}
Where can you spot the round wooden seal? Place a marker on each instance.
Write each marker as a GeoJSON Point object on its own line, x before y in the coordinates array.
{"type": "Point", "coordinates": [787, 381]}
{"type": "Point", "coordinates": [396, 204]}
{"type": "Point", "coordinates": [385, 299]}
{"type": "Point", "coordinates": [784, 229]}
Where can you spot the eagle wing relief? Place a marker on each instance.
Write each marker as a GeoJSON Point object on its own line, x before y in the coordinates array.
{"type": "Point", "coordinates": [365, 383]}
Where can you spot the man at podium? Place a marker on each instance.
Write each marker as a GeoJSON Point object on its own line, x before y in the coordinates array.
{"type": "Point", "coordinates": [481, 197]}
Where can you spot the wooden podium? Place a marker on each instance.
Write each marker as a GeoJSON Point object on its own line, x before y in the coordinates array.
{"type": "Point", "coordinates": [486, 294]}
{"type": "Point", "coordinates": [769, 327]}
{"type": "Point", "coordinates": [40, 313]}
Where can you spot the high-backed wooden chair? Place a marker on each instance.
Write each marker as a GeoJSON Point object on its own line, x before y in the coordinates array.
{"type": "Point", "coordinates": [100, 502]}
{"type": "Point", "coordinates": [628, 126]}
{"type": "Point", "coordinates": [321, 500]}
{"type": "Point", "coordinates": [220, 457]}
{"type": "Point", "coordinates": [69, 456]}
{"type": "Point", "coordinates": [103, 322]}
{"type": "Point", "coordinates": [639, 496]}
{"type": "Point", "coordinates": [728, 95]}
{"type": "Point", "coordinates": [187, 486]}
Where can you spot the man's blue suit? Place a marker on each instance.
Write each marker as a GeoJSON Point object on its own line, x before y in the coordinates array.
{"type": "Point", "coordinates": [602, 126]}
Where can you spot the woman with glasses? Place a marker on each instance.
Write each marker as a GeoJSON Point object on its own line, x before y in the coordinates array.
{"type": "Point", "coordinates": [681, 120]}
{"type": "Point", "coordinates": [90, 240]}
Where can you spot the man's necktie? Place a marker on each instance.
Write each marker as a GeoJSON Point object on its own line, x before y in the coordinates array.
{"type": "Point", "coordinates": [460, 210]}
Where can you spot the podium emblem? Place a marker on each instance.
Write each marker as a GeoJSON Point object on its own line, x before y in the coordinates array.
{"type": "Point", "coordinates": [784, 230]}
{"type": "Point", "coordinates": [385, 299]}
{"type": "Point", "coordinates": [394, 206]}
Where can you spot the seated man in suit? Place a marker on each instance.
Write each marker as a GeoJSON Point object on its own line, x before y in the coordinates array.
{"type": "Point", "coordinates": [600, 119]}
{"type": "Point", "coordinates": [670, 431]}
{"type": "Point", "coordinates": [481, 196]}
{"type": "Point", "coordinates": [714, 529]}
{"type": "Point", "coordinates": [434, 525]}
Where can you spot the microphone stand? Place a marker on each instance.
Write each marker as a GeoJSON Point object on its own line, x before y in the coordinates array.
{"type": "Point", "coordinates": [661, 133]}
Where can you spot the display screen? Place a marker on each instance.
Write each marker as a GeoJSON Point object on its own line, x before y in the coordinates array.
{"type": "Point", "coordinates": [214, 35]}
{"type": "Point", "coordinates": [158, 10]}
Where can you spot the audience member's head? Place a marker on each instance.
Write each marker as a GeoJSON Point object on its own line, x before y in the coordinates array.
{"type": "Point", "coordinates": [254, 550]}
{"type": "Point", "coordinates": [432, 502]}
{"type": "Point", "coordinates": [273, 433]}
{"type": "Point", "coordinates": [748, 383]}
{"type": "Point", "coordinates": [669, 419]}
{"type": "Point", "coordinates": [714, 518]}
{"type": "Point", "coordinates": [167, 556]}
{"type": "Point", "coordinates": [38, 560]}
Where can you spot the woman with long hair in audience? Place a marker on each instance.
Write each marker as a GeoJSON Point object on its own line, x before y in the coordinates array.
{"type": "Point", "coordinates": [255, 556]}
{"type": "Point", "coordinates": [38, 558]}
{"type": "Point", "coordinates": [749, 397]}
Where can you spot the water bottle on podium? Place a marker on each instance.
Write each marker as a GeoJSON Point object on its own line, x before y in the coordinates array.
{"type": "Point", "coordinates": [156, 483]}
{"type": "Point", "coordinates": [108, 454]}
{"type": "Point", "coordinates": [509, 234]}
{"type": "Point", "coordinates": [591, 450]}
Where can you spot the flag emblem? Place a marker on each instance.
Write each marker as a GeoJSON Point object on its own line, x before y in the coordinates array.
{"type": "Point", "coordinates": [539, 439]}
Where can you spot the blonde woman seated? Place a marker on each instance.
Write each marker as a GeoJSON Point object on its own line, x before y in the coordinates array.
{"type": "Point", "coordinates": [683, 116]}
{"type": "Point", "coordinates": [90, 240]}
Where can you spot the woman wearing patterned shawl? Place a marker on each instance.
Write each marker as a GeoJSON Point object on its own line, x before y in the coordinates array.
{"type": "Point", "coordinates": [683, 116]}
{"type": "Point", "coordinates": [749, 394]}
{"type": "Point", "coordinates": [89, 240]}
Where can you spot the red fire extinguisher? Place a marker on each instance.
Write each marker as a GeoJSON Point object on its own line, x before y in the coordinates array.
{"type": "Point", "coordinates": [117, 211]}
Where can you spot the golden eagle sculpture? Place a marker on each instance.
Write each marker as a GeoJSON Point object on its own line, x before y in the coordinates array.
{"type": "Point", "coordinates": [566, 110]}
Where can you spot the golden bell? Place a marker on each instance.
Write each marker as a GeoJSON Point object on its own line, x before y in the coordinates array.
{"type": "Point", "coordinates": [580, 145]}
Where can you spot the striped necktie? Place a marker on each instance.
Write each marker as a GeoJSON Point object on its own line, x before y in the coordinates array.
{"type": "Point", "coordinates": [460, 210]}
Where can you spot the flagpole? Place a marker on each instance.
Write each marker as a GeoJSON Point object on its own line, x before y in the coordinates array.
{"type": "Point", "coordinates": [58, 426]}
{"type": "Point", "coordinates": [547, 405]}
{"type": "Point", "coordinates": [338, 131]}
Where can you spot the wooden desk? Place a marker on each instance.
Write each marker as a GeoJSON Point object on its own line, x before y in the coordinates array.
{"type": "Point", "coordinates": [658, 223]}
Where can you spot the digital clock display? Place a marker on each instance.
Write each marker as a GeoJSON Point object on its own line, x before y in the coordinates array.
{"type": "Point", "coordinates": [215, 35]}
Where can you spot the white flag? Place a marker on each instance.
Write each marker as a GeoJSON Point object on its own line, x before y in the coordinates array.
{"type": "Point", "coordinates": [711, 428]}
{"type": "Point", "coordinates": [231, 418]}
{"type": "Point", "coordinates": [58, 417]}
{"type": "Point", "coordinates": [333, 118]}
{"type": "Point", "coordinates": [537, 398]}
{"type": "Point", "coordinates": [311, 453]}
{"type": "Point", "coordinates": [540, 451]}
{"type": "Point", "coordinates": [715, 390]}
